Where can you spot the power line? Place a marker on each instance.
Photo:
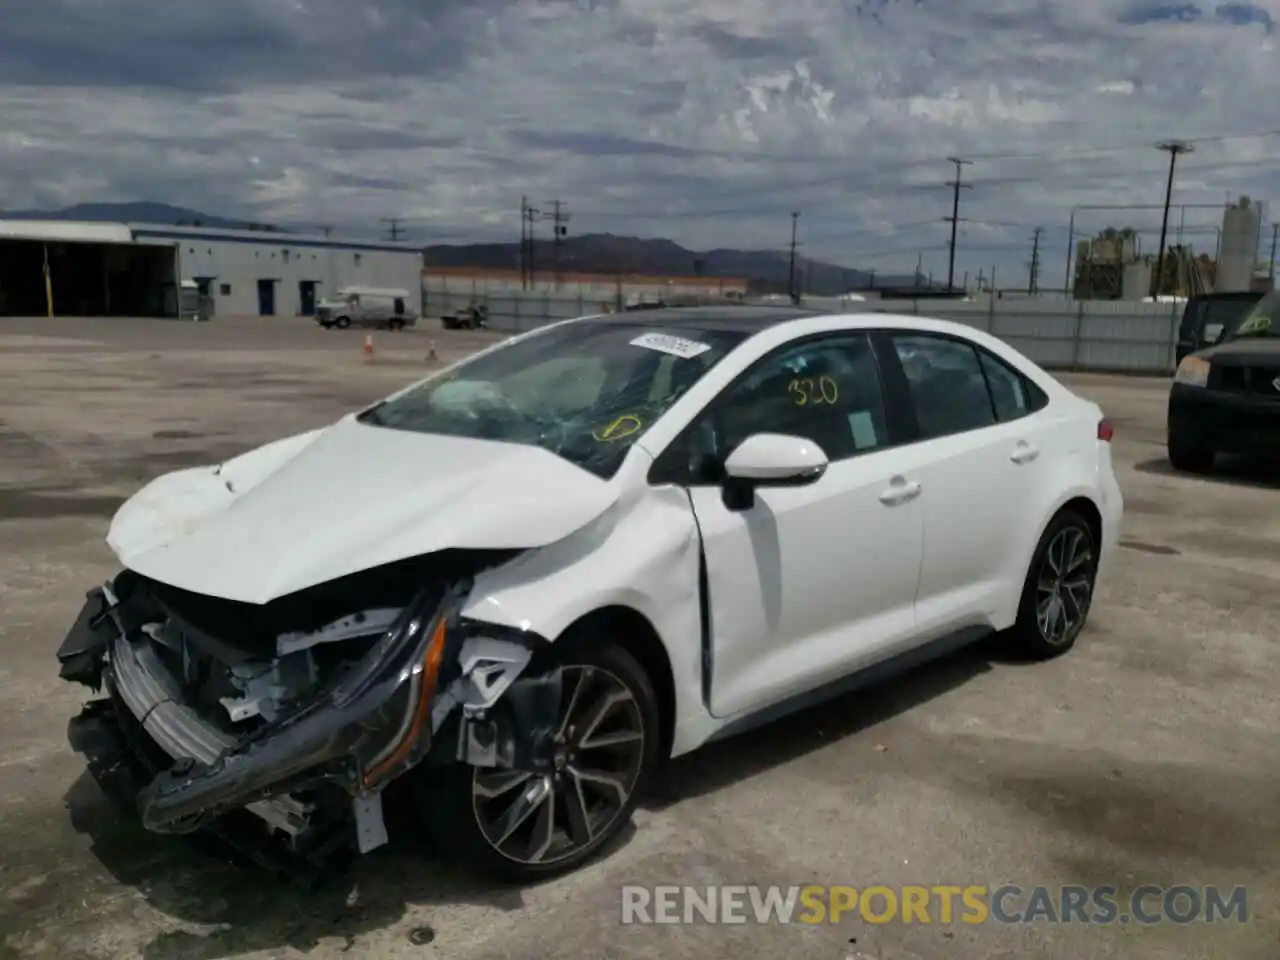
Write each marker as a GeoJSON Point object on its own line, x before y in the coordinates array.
{"type": "Point", "coordinates": [899, 167]}
{"type": "Point", "coordinates": [393, 230]}
{"type": "Point", "coordinates": [954, 219]}
{"type": "Point", "coordinates": [870, 186]}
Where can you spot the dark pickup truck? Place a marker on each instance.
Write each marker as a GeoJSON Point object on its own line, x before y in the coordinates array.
{"type": "Point", "coordinates": [1226, 398]}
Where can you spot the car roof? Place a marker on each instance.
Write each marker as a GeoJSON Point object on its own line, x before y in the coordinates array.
{"type": "Point", "coordinates": [745, 319]}
{"type": "Point", "coordinates": [748, 320]}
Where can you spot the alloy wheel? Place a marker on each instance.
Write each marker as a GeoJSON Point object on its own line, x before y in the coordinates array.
{"type": "Point", "coordinates": [1064, 586]}
{"type": "Point", "coordinates": [535, 818]}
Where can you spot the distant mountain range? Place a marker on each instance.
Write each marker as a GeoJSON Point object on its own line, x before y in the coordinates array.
{"type": "Point", "coordinates": [140, 211]}
{"type": "Point", "coordinates": [600, 253]}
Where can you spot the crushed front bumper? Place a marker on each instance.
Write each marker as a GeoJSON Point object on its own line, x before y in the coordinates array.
{"type": "Point", "coordinates": [154, 751]}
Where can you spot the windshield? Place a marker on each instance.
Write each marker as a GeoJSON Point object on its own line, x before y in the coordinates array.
{"type": "Point", "coordinates": [585, 391]}
{"type": "Point", "coordinates": [1262, 321]}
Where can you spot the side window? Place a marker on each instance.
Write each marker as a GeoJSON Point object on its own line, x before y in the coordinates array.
{"type": "Point", "coordinates": [827, 391]}
{"type": "Point", "coordinates": [947, 385]}
{"type": "Point", "coordinates": [1008, 389]}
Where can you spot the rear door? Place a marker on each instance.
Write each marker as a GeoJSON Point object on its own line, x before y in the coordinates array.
{"type": "Point", "coordinates": [983, 460]}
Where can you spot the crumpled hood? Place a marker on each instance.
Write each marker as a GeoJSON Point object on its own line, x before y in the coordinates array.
{"type": "Point", "coordinates": [332, 502]}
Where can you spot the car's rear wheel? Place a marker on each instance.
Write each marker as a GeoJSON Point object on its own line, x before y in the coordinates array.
{"type": "Point", "coordinates": [342, 323]}
{"type": "Point", "coordinates": [522, 826]}
{"type": "Point", "coordinates": [1189, 457]}
{"type": "Point", "coordinates": [395, 324]}
{"type": "Point", "coordinates": [1059, 588]}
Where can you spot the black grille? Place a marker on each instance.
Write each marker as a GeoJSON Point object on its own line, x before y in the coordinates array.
{"type": "Point", "coordinates": [1257, 381]}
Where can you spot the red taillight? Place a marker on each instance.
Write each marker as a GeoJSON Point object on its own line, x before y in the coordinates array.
{"type": "Point", "coordinates": [1105, 430]}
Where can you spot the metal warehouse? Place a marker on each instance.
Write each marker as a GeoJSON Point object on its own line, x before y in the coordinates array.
{"type": "Point", "coordinates": [70, 268]}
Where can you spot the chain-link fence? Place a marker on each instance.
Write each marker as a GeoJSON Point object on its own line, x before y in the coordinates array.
{"type": "Point", "coordinates": [1059, 334]}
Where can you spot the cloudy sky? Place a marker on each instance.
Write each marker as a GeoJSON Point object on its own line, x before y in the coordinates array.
{"type": "Point", "coordinates": [706, 121]}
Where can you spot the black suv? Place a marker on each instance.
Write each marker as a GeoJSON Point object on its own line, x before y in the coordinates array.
{"type": "Point", "coordinates": [1207, 317]}
{"type": "Point", "coordinates": [1226, 398]}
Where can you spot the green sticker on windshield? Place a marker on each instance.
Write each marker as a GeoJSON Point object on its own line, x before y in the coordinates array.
{"type": "Point", "coordinates": [1255, 324]}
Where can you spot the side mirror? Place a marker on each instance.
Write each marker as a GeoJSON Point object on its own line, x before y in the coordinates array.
{"type": "Point", "coordinates": [776, 459]}
{"type": "Point", "coordinates": [770, 460]}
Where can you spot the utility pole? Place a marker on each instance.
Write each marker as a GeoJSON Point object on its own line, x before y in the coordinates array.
{"type": "Point", "coordinates": [559, 230]}
{"type": "Point", "coordinates": [1271, 268]}
{"type": "Point", "coordinates": [529, 216]}
{"type": "Point", "coordinates": [1173, 148]}
{"type": "Point", "coordinates": [791, 269]}
{"type": "Point", "coordinates": [1033, 285]}
{"type": "Point", "coordinates": [915, 279]}
{"type": "Point", "coordinates": [524, 221]}
{"type": "Point", "coordinates": [954, 219]}
{"type": "Point", "coordinates": [393, 228]}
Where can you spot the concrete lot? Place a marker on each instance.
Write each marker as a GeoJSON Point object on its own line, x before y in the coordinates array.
{"type": "Point", "coordinates": [1145, 756]}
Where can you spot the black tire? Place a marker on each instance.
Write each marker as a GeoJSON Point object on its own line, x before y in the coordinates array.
{"type": "Point", "coordinates": [395, 324]}
{"type": "Point", "coordinates": [1189, 457]}
{"type": "Point", "coordinates": [1067, 555]}
{"type": "Point", "coordinates": [342, 323]}
{"type": "Point", "coordinates": [447, 795]}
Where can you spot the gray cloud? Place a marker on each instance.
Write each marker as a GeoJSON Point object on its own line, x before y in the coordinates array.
{"type": "Point", "coordinates": [700, 120]}
{"type": "Point", "coordinates": [733, 46]}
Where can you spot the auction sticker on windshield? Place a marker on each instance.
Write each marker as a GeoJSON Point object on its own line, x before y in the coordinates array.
{"type": "Point", "coordinates": [676, 346]}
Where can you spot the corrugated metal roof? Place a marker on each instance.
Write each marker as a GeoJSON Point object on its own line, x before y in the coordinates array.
{"type": "Point", "coordinates": [278, 237]}
{"type": "Point", "coordinates": [66, 231]}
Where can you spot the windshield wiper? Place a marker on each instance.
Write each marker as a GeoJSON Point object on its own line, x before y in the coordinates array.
{"type": "Point", "coordinates": [372, 415]}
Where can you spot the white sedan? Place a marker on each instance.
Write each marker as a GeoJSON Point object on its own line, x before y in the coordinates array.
{"type": "Point", "coordinates": [524, 581]}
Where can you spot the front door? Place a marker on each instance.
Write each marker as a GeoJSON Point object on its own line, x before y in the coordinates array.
{"type": "Point", "coordinates": [809, 583]}
{"type": "Point", "coordinates": [266, 298]}
{"type": "Point", "coordinates": [306, 298]}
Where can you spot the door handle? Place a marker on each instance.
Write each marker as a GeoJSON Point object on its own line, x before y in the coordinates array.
{"type": "Point", "coordinates": [1024, 452]}
{"type": "Point", "coordinates": [900, 491]}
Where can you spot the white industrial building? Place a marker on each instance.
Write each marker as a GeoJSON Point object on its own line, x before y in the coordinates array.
{"type": "Point", "coordinates": [71, 268]}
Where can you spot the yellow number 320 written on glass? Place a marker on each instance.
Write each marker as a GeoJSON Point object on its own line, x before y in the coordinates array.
{"type": "Point", "coordinates": [814, 391]}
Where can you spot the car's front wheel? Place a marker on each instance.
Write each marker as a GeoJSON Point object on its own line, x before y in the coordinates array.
{"type": "Point", "coordinates": [1058, 591]}
{"type": "Point", "coordinates": [522, 826]}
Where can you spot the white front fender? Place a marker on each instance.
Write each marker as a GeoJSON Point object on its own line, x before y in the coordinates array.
{"type": "Point", "coordinates": [642, 554]}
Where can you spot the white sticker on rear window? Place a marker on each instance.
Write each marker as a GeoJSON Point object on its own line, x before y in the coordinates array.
{"type": "Point", "coordinates": [676, 346]}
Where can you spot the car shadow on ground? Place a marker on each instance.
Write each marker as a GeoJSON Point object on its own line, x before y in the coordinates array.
{"type": "Point", "coordinates": [1260, 472]}
{"type": "Point", "coordinates": [721, 764]}
{"type": "Point", "coordinates": [248, 909]}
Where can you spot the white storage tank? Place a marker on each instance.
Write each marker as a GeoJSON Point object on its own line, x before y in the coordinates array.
{"type": "Point", "coordinates": [1239, 253]}
{"type": "Point", "coordinates": [1135, 282]}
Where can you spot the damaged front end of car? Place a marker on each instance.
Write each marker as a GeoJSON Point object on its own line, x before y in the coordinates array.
{"type": "Point", "coordinates": [283, 724]}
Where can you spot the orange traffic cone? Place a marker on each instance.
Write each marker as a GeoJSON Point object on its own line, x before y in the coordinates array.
{"type": "Point", "coordinates": [368, 346]}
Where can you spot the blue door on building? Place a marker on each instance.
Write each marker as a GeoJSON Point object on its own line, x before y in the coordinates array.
{"type": "Point", "coordinates": [266, 298]}
{"type": "Point", "coordinates": [306, 298]}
